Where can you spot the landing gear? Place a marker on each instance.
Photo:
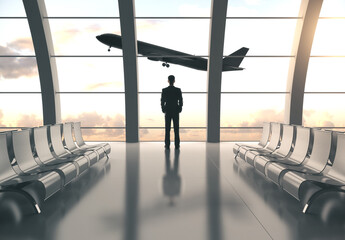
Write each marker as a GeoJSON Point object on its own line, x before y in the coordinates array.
{"type": "Point", "coordinates": [109, 49]}
{"type": "Point", "coordinates": [165, 65]}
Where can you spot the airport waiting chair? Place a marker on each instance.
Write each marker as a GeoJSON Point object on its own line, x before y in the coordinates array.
{"type": "Point", "coordinates": [285, 147]}
{"type": "Point", "coordinates": [315, 164]}
{"type": "Point", "coordinates": [298, 155]}
{"type": "Point", "coordinates": [265, 136]}
{"type": "Point", "coordinates": [81, 143]}
{"type": "Point", "coordinates": [45, 156]}
{"type": "Point", "coordinates": [36, 188]}
{"type": "Point", "coordinates": [306, 187]}
{"type": "Point", "coordinates": [72, 147]}
{"type": "Point", "coordinates": [271, 147]}
{"type": "Point", "coordinates": [59, 149]}
{"type": "Point", "coordinates": [28, 165]}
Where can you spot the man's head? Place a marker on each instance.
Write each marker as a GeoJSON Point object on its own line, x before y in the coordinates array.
{"type": "Point", "coordinates": [171, 80]}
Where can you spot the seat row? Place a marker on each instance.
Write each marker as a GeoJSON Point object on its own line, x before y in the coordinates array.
{"type": "Point", "coordinates": [305, 162]}
{"type": "Point", "coordinates": [38, 162]}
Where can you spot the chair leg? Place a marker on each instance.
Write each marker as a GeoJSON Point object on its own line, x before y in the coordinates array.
{"type": "Point", "coordinates": [316, 195]}
{"type": "Point", "coordinates": [32, 201]}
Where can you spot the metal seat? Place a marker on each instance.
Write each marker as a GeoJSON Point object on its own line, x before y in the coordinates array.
{"type": "Point", "coordinates": [271, 147]}
{"type": "Point", "coordinates": [45, 156]}
{"type": "Point", "coordinates": [315, 164]}
{"type": "Point", "coordinates": [306, 188]}
{"type": "Point", "coordinates": [265, 136]}
{"type": "Point", "coordinates": [27, 164]}
{"type": "Point", "coordinates": [60, 151]}
{"type": "Point", "coordinates": [71, 146]}
{"type": "Point", "coordinates": [36, 188]}
{"type": "Point", "coordinates": [295, 157]}
{"type": "Point", "coordinates": [81, 143]}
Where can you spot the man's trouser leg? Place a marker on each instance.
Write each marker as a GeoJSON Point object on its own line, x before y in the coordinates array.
{"type": "Point", "coordinates": [167, 129]}
{"type": "Point", "coordinates": [176, 121]}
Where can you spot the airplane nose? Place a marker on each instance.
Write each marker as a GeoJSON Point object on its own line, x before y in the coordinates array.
{"type": "Point", "coordinates": [98, 37]}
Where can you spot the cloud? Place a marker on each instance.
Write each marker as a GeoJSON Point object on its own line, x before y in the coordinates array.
{"type": "Point", "coordinates": [93, 119]}
{"type": "Point", "coordinates": [21, 43]}
{"type": "Point", "coordinates": [16, 67]}
{"type": "Point", "coordinates": [29, 120]}
{"type": "Point", "coordinates": [91, 87]}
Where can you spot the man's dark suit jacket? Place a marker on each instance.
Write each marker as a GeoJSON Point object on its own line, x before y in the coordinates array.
{"type": "Point", "coordinates": [171, 100]}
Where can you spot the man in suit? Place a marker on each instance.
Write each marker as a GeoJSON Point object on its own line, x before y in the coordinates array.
{"type": "Point", "coordinates": [171, 103]}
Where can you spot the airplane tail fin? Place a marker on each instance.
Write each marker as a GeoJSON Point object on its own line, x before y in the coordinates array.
{"type": "Point", "coordinates": [233, 61]}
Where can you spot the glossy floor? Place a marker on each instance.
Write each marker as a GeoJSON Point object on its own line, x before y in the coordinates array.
{"type": "Point", "coordinates": [196, 193]}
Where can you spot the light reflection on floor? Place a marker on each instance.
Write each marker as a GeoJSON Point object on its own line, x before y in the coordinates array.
{"type": "Point", "coordinates": [198, 192]}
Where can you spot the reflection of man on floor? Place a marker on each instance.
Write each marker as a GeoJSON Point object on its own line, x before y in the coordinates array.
{"type": "Point", "coordinates": [171, 179]}
{"type": "Point", "coordinates": [171, 103]}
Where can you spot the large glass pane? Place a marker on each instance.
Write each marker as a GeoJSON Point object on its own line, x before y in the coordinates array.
{"type": "Point", "coordinates": [94, 110]}
{"type": "Point", "coordinates": [87, 74]}
{"type": "Point", "coordinates": [78, 36]}
{"type": "Point", "coordinates": [329, 38]}
{"type": "Point", "coordinates": [104, 135]}
{"type": "Point", "coordinates": [80, 8]}
{"type": "Point", "coordinates": [15, 37]}
{"type": "Point", "coordinates": [259, 75]}
{"type": "Point", "coordinates": [324, 110]}
{"type": "Point", "coordinates": [333, 8]}
{"type": "Point", "coordinates": [267, 8]}
{"type": "Point", "coordinates": [325, 75]}
{"type": "Point", "coordinates": [153, 77]}
{"type": "Point", "coordinates": [12, 8]}
{"type": "Point", "coordinates": [262, 37]}
{"type": "Point", "coordinates": [234, 135]}
{"type": "Point", "coordinates": [193, 113]}
{"type": "Point", "coordinates": [176, 8]}
{"type": "Point", "coordinates": [21, 110]}
{"type": "Point", "coordinates": [19, 74]}
{"type": "Point", "coordinates": [251, 110]}
{"type": "Point", "coordinates": [186, 134]}
{"type": "Point", "coordinates": [187, 35]}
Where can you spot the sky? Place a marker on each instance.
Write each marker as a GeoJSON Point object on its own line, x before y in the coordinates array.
{"type": "Point", "coordinates": [264, 37]}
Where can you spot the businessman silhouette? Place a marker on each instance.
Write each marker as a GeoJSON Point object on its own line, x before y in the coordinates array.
{"type": "Point", "coordinates": [171, 103]}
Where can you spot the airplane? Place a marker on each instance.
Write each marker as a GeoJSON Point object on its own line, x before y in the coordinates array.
{"type": "Point", "coordinates": [166, 55]}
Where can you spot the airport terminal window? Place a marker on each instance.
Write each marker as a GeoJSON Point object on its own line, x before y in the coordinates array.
{"type": "Point", "coordinates": [12, 8]}
{"type": "Point", "coordinates": [90, 74]}
{"type": "Point", "coordinates": [324, 110]}
{"type": "Point", "coordinates": [240, 134]}
{"type": "Point", "coordinates": [281, 8]}
{"type": "Point", "coordinates": [18, 42]}
{"type": "Point", "coordinates": [261, 36]}
{"type": "Point", "coordinates": [189, 80]}
{"type": "Point", "coordinates": [82, 8]}
{"type": "Point", "coordinates": [325, 74]}
{"type": "Point", "coordinates": [325, 90]}
{"type": "Point", "coordinates": [21, 110]}
{"type": "Point", "coordinates": [184, 35]}
{"type": "Point", "coordinates": [78, 36]}
{"type": "Point", "coordinates": [261, 74]}
{"type": "Point", "coordinates": [176, 8]}
{"type": "Point", "coordinates": [193, 113]}
{"type": "Point", "coordinates": [333, 8]}
{"type": "Point", "coordinates": [251, 110]}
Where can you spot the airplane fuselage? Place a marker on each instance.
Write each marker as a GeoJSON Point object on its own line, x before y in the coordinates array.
{"type": "Point", "coordinates": [166, 55]}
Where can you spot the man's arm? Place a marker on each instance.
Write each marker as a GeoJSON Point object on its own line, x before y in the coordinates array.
{"type": "Point", "coordinates": [163, 100]}
{"type": "Point", "coordinates": [180, 101]}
